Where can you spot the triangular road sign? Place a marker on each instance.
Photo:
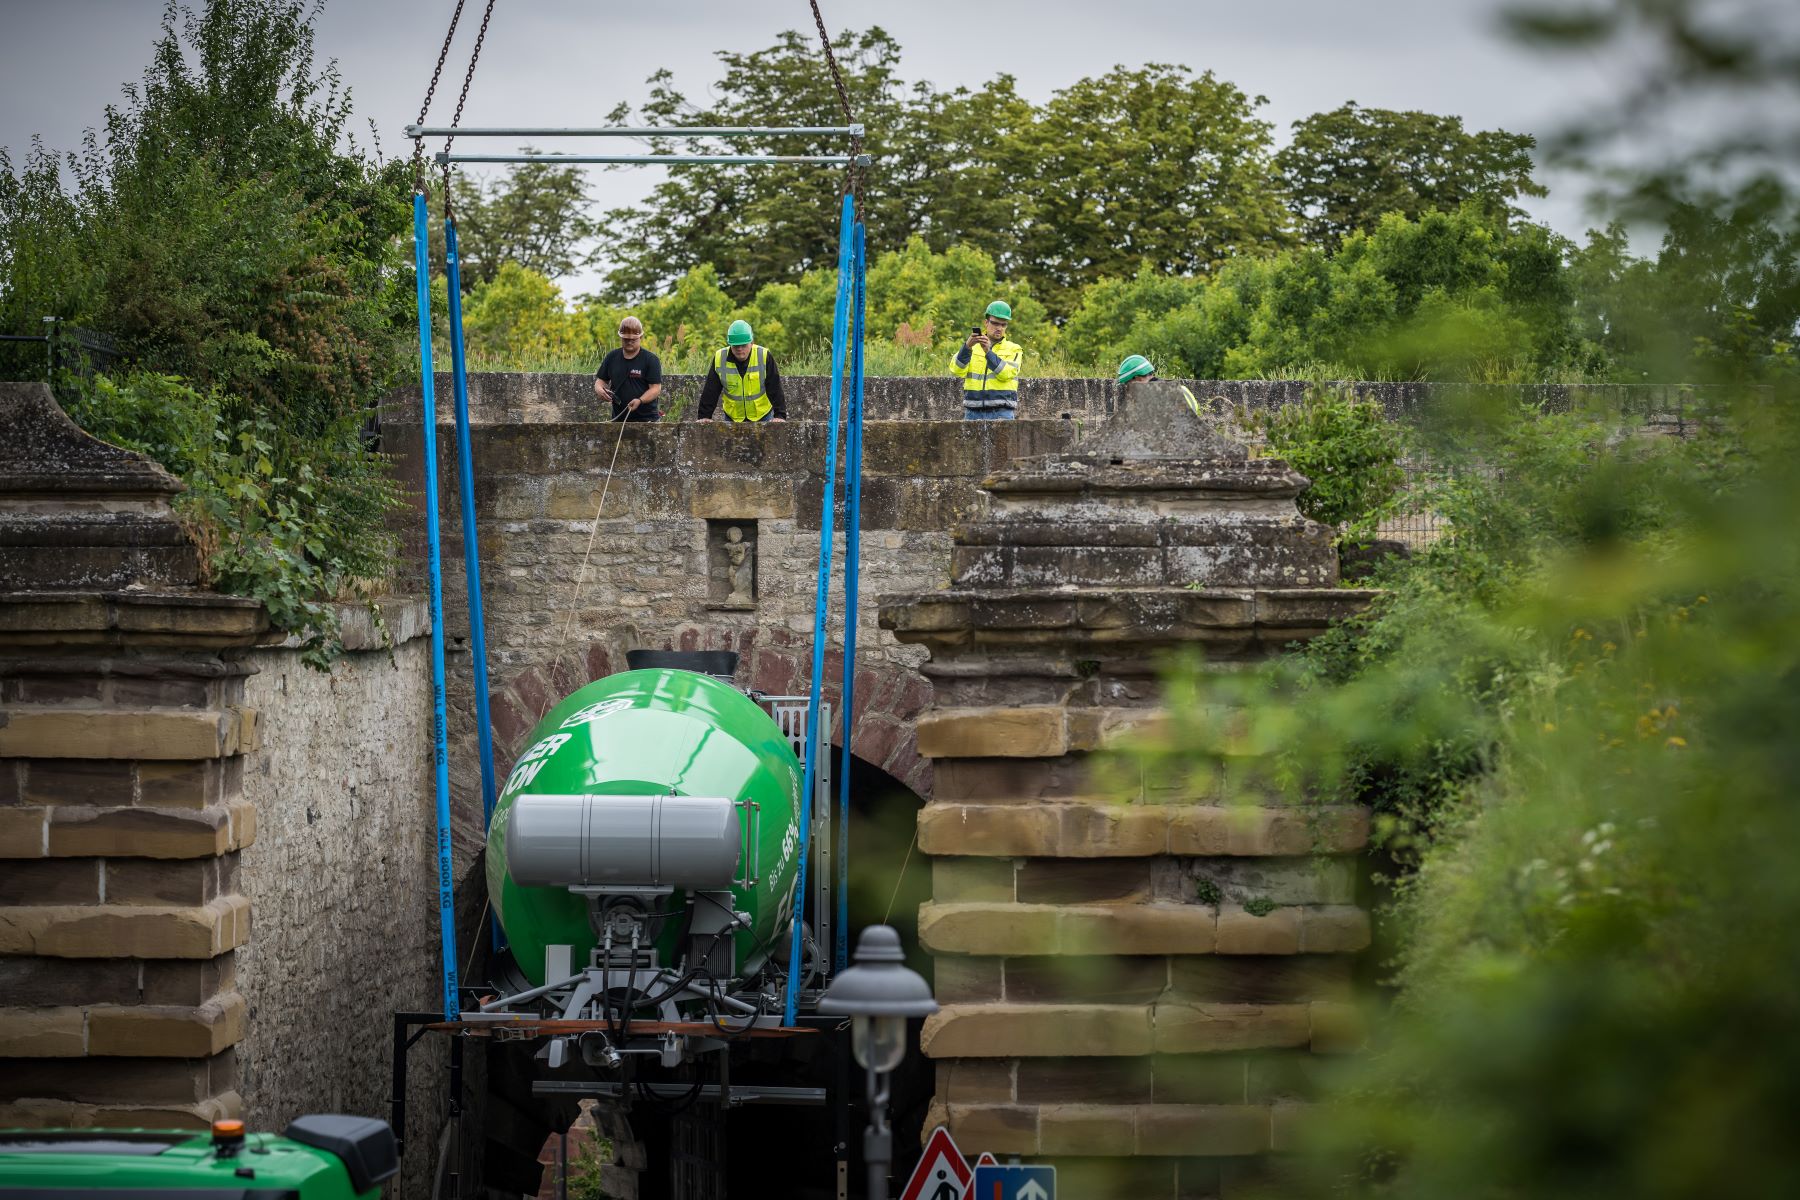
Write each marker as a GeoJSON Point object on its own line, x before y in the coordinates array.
{"type": "Point", "coordinates": [986, 1160]}
{"type": "Point", "coordinates": [942, 1173]}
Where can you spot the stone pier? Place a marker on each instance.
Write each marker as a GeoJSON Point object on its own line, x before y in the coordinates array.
{"type": "Point", "coordinates": [1132, 985]}
{"type": "Point", "coordinates": [122, 736]}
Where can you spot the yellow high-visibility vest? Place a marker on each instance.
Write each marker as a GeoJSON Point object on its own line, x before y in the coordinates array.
{"type": "Point", "coordinates": [745, 396]}
{"type": "Point", "coordinates": [998, 389]}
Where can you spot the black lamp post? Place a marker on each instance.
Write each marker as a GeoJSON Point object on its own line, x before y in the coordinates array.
{"type": "Point", "coordinates": [878, 993]}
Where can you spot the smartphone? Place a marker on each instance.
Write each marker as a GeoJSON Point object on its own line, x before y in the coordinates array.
{"type": "Point", "coordinates": [974, 331]}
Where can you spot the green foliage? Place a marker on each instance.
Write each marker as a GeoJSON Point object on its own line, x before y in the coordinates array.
{"type": "Point", "coordinates": [939, 297]}
{"type": "Point", "coordinates": [1207, 892]}
{"type": "Point", "coordinates": [296, 537]}
{"type": "Point", "coordinates": [1259, 906]}
{"type": "Point", "coordinates": [1348, 449]}
{"type": "Point", "coordinates": [1567, 715]}
{"type": "Point", "coordinates": [536, 216]}
{"type": "Point", "coordinates": [592, 1153]}
{"type": "Point", "coordinates": [1450, 296]}
{"type": "Point", "coordinates": [225, 230]}
{"type": "Point", "coordinates": [1152, 164]}
{"type": "Point", "coordinates": [1346, 169]}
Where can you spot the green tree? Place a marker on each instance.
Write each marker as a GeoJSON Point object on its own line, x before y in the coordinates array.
{"type": "Point", "coordinates": [1346, 169]}
{"type": "Point", "coordinates": [1152, 165]}
{"type": "Point", "coordinates": [226, 230]}
{"type": "Point", "coordinates": [536, 216]}
{"type": "Point", "coordinates": [519, 315]}
{"type": "Point", "coordinates": [759, 225]}
{"type": "Point", "coordinates": [942, 296]}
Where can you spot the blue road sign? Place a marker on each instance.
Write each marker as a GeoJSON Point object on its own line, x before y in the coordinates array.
{"type": "Point", "coordinates": [999, 1181]}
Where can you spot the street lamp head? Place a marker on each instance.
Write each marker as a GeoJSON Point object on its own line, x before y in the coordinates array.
{"type": "Point", "coordinates": [878, 992]}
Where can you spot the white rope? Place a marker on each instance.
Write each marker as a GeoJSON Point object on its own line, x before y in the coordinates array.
{"type": "Point", "coordinates": [581, 575]}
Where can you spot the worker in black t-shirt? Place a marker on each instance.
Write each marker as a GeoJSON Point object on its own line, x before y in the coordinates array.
{"type": "Point", "coordinates": [631, 376]}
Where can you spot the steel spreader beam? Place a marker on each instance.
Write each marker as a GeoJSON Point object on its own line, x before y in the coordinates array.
{"type": "Point", "coordinates": [839, 160]}
{"type": "Point", "coordinates": [671, 131]}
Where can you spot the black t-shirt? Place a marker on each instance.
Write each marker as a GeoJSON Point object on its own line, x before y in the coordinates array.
{"type": "Point", "coordinates": [630, 378]}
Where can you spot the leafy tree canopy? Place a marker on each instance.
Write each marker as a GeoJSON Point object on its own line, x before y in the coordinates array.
{"type": "Point", "coordinates": [1347, 168]}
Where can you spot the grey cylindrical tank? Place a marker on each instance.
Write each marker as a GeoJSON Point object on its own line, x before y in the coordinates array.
{"type": "Point", "coordinates": [623, 842]}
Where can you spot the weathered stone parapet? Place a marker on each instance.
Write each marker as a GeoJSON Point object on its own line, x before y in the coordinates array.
{"type": "Point", "coordinates": [1111, 958]}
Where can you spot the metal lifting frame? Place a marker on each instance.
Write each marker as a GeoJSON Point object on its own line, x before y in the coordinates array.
{"type": "Point", "coordinates": [674, 131]}
{"type": "Point", "coordinates": [847, 321]}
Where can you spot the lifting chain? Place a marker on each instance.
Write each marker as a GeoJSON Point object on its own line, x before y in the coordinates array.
{"type": "Point", "coordinates": [852, 179]}
{"type": "Point", "coordinates": [419, 143]}
{"type": "Point", "coordinates": [487, 15]}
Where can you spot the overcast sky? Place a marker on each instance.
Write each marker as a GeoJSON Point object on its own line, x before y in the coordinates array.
{"type": "Point", "coordinates": [566, 62]}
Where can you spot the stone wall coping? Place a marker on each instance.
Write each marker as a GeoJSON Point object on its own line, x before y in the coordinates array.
{"type": "Point", "coordinates": [406, 618]}
{"type": "Point", "coordinates": [184, 617]}
{"type": "Point", "coordinates": [520, 397]}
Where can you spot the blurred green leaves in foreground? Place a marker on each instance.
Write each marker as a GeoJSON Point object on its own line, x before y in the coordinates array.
{"type": "Point", "coordinates": [1575, 719]}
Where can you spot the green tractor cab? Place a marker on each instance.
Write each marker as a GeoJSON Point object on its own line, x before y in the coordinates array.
{"type": "Point", "coordinates": [317, 1158]}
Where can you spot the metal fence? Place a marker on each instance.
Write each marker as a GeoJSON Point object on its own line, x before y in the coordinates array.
{"type": "Point", "coordinates": [55, 354]}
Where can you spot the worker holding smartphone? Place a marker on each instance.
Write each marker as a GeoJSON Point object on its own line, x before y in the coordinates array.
{"type": "Point", "coordinates": [988, 364]}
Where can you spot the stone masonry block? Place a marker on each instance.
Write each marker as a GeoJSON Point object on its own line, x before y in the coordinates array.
{"type": "Point", "coordinates": [144, 1032]}
{"type": "Point", "coordinates": [1111, 830]}
{"type": "Point", "coordinates": [42, 1032]}
{"type": "Point", "coordinates": [1136, 929]}
{"type": "Point", "coordinates": [161, 881]}
{"type": "Point", "coordinates": [1333, 929]}
{"type": "Point", "coordinates": [1203, 1130]}
{"type": "Point", "coordinates": [993, 831]}
{"type": "Point", "coordinates": [30, 732]}
{"type": "Point", "coordinates": [1240, 932]}
{"type": "Point", "coordinates": [100, 782]}
{"type": "Point", "coordinates": [1087, 1129]}
{"type": "Point", "coordinates": [1085, 979]}
{"type": "Point", "coordinates": [993, 733]}
{"type": "Point", "coordinates": [24, 832]}
{"type": "Point", "coordinates": [50, 881]}
{"type": "Point", "coordinates": [996, 1128]}
{"type": "Point", "coordinates": [1337, 1027]}
{"type": "Point", "coordinates": [1080, 880]}
{"type": "Point", "coordinates": [976, 1080]}
{"type": "Point", "coordinates": [1034, 1030]}
{"type": "Point", "coordinates": [126, 931]}
{"type": "Point", "coordinates": [1216, 1028]}
{"type": "Point", "coordinates": [139, 832]}
{"type": "Point", "coordinates": [957, 979]}
{"type": "Point", "coordinates": [1085, 1080]}
{"type": "Point", "coordinates": [180, 784]}
{"type": "Point", "coordinates": [966, 879]}
{"type": "Point", "coordinates": [104, 1081]}
{"type": "Point", "coordinates": [27, 982]}
{"type": "Point", "coordinates": [1247, 978]}
{"type": "Point", "coordinates": [1043, 831]}
{"type": "Point", "coordinates": [989, 928]}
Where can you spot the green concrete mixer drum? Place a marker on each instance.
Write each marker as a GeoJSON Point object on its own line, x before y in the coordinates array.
{"type": "Point", "coordinates": [667, 775]}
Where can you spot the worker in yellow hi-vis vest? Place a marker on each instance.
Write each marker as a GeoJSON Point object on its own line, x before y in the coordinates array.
{"type": "Point", "coordinates": [743, 383]}
{"type": "Point", "coordinates": [988, 365]}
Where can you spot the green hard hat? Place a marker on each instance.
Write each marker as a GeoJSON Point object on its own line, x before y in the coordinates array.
{"type": "Point", "coordinates": [1135, 367]}
{"type": "Point", "coordinates": [739, 334]}
{"type": "Point", "coordinates": [1001, 309]}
